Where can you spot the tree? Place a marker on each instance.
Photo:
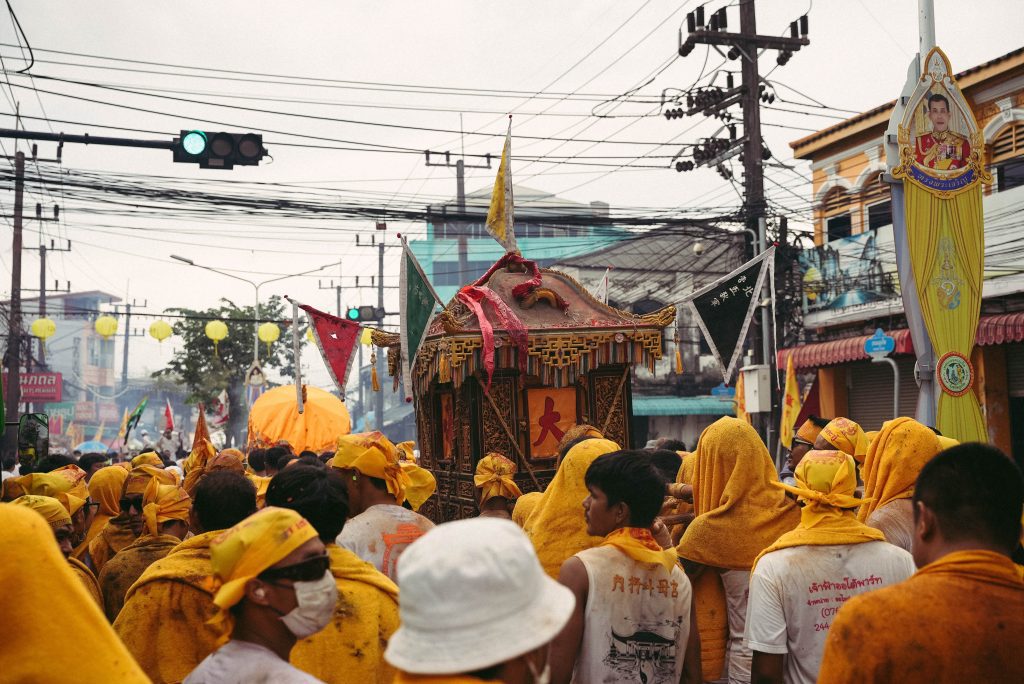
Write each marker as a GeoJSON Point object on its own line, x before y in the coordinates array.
{"type": "Point", "coordinates": [207, 371]}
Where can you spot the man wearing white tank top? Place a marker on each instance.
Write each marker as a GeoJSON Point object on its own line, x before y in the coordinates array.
{"type": "Point", "coordinates": [634, 619]}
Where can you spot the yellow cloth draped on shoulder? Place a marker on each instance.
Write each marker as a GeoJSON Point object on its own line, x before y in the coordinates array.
{"type": "Point", "coordinates": [638, 543]}
{"type": "Point", "coordinates": [88, 580]}
{"type": "Point", "coordinates": [894, 461]}
{"type": "Point", "coordinates": [738, 514]}
{"type": "Point", "coordinates": [104, 489]}
{"type": "Point", "coordinates": [826, 481]}
{"type": "Point", "coordinates": [166, 614]}
{"type": "Point", "coordinates": [76, 644]}
{"type": "Point", "coordinates": [557, 527]}
{"type": "Point", "coordinates": [525, 506]}
{"type": "Point", "coordinates": [350, 650]}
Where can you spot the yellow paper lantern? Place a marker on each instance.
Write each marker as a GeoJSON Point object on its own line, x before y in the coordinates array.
{"type": "Point", "coordinates": [106, 326]}
{"type": "Point", "coordinates": [216, 331]}
{"type": "Point", "coordinates": [366, 337]}
{"type": "Point", "coordinates": [160, 330]}
{"type": "Point", "coordinates": [43, 328]}
{"type": "Point", "coordinates": [268, 332]}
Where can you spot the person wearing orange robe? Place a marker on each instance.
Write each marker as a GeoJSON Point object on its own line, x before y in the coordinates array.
{"type": "Point", "coordinates": [165, 621]}
{"type": "Point", "coordinates": [960, 618]}
{"type": "Point", "coordinates": [123, 529]}
{"type": "Point", "coordinates": [105, 490]}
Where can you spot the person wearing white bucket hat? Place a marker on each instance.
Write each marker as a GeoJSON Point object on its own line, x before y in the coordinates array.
{"type": "Point", "coordinates": [476, 606]}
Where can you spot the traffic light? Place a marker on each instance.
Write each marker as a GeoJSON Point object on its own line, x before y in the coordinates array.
{"type": "Point", "coordinates": [364, 313]}
{"type": "Point", "coordinates": [219, 150]}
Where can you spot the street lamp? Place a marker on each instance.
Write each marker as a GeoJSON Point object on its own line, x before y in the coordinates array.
{"type": "Point", "coordinates": [256, 286]}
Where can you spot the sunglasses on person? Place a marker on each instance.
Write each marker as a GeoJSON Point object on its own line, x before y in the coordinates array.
{"type": "Point", "coordinates": [308, 570]}
{"type": "Point", "coordinates": [800, 442]}
{"type": "Point", "coordinates": [130, 502]}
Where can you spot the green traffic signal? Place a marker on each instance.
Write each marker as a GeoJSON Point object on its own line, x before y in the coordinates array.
{"type": "Point", "coordinates": [353, 313]}
{"type": "Point", "coordinates": [194, 142]}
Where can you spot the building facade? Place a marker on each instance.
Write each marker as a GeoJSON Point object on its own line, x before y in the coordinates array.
{"type": "Point", "coordinates": [850, 284]}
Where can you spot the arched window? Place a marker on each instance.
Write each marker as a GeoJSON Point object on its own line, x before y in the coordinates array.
{"type": "Point", "coordinates": [838, 217]}
{"type": "Point", "coordinates": [1006, 157]}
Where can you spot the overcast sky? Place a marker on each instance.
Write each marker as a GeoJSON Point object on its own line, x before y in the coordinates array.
{"type": "Point", "coordinates": [575, 54]}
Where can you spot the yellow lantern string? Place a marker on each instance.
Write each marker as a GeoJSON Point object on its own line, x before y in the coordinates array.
{"type": "Point", "coordinates": [43, 328]}
{"type": "Point", "coordinates": [106, 326]}
{"type": "Point", "coordinates": [374, 381]}
{"type": "Point", "coordinates": [216, 331]}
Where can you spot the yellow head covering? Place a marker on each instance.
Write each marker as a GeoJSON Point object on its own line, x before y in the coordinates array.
{"type": "Point", "coordinates": [947, 442]}
{"type": "Point", "coordinates": [846, 436]}
{"type": "Point", "coordinates": [577, 431]}
{"type": "Point", "coordinates": [150, 458]}
{"type": "Point", "coordinates": [253, 545]}
{"type": "Point", "coordinates": [351, 447]}
{"type": "Point", "coordinates": [494, 477]}
{"type": "Point", "coordinates": [525, 505]}
{"type": "Point", "coordinates": [894, 461]}
{"type": "Point", "coordinates": [557, 527]}
{"type": "Point", "coordinates": [139, 477]}
{"type": "Point", "coordinates": [161, 503]}
{"type": "Point", "coordinates": [406, 451]}
{"type": "Point", "coordinates": [70, 479]}
{"type": "Point", "coordinates": [738, 512]}
{"type": "Point", "coordinates": [71, 502]}
{"type": "Point", "coordinates": [48, 507]}
{"type": "Point", "coordinates": [809, 431]}
{"type": "Point", "coordinates": [421, 484]}
{"type": "Point", "coordinates": [105, 489]}
{"type": "Point", "coordinates": [826, 482]}
{"type": "Point", "coordinates": [227, 459]}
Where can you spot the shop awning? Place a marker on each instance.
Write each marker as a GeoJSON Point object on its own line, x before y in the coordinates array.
{"type": "Point", "coordinates": [683, 406]}
{"type": "Point", "coordinates": [994, 329]}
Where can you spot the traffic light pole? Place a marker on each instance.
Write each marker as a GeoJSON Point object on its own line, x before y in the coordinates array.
{"type": "Point", "coordinates": [381, 367]}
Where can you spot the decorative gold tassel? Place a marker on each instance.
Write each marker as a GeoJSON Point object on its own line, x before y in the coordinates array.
{"type": "Point", "coordinates": [679, 358]}
{"type": "Point", "coordinates": [374, 380]}
{"type": "Point", "coordinates": [444, 368]}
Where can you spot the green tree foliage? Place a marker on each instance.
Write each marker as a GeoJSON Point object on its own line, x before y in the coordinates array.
{"type": "Point", "coordinates": [206, 371]}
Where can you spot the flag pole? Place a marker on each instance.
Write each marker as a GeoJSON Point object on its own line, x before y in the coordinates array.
{"type": "Point", "coordinates": [297, 356]}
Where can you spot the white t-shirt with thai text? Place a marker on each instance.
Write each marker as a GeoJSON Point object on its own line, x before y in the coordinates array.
{"type": "Point", "coordinates": [796, 592]}
{"type": "Point", "coordinates": [381, 533]}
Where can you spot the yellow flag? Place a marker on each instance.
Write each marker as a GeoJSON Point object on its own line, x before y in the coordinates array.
{"type": "Point", "coordinates": [124, 426]}
{"type": "Point", "coordinates": [741, 399]}
{"type": "Point", "coordinates": [790, 405]}
{"type": "Point", "coordinates": [501, 214]}
{"type": "Point", "coordinates": [99, 431]}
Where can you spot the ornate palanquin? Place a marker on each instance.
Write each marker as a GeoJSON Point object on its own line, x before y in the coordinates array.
{"type": "Point", "coordinates": [578, 365]}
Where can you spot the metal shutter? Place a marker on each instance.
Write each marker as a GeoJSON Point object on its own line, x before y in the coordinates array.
{"type": "Point", "coordinates": [1015, 370]}
{"type": "Point", "coordinates": [870, 391]}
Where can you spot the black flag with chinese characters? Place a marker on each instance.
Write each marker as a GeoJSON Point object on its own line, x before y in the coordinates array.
{"type": "Point", "coordinates": [723, 309]}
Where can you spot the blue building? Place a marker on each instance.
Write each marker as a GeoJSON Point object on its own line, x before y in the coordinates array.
{"type": "Point", "coordinates": [548, 230]}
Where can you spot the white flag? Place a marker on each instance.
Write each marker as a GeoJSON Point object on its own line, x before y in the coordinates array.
{"type": "Point", "coordinates": [601, 294]}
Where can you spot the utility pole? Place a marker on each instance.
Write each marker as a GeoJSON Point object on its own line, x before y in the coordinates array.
{"type": "Point", "coordinates": [712, 101]}
{"type": "Point", "coordinates": [460, 203]}
{"type": "Point", "coordinates": [43, 251]}
{"type": "Point", "coordinates": [127, 335]}
{"type": "Point", "coordinates": [381, 365]}
{"type": "Point", "coordinates": [13, 398]}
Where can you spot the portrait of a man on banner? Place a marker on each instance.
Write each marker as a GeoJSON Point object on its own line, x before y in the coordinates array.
{"type": "Point", "coordinates": [940, 142]}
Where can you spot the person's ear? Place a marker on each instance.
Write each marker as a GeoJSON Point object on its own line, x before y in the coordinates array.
{"type": "Point", "coordinates": [925, 524]}
{"type": "Point", "coordinates": [256, 592]}
{"type": "Point", "coordinates": [622, 513]}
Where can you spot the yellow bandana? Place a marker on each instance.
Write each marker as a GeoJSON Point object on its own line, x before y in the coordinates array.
{"type": "Point", "coordinates": [48, 507]}
{"type": "Point", "coordinates": [808, 432]}
{"type": "Point", "coordinates": [148, 458]}
{"type": "Point", "coordinates": [846, 436]}
{"type": "Point", "coordinates": [253, 545]}
{"type": "Point", "coordinates": [162, 503]}
{"type": "Point", "coordinates": [495, 477]}
{"type": "Point", "coordinates": [638, 543]}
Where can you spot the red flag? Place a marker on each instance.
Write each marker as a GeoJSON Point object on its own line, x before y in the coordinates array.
{"type": "Point", "coordinates": [168, 416]}
{"type": "Point", "coordinates": [336, 339]}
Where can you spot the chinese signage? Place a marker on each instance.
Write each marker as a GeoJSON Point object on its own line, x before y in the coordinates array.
{"type": "Point", "coordinates": [552, 412]}
{"type": "Point", "coordinates": [40, 386]}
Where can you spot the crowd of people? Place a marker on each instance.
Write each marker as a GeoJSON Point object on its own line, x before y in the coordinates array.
{"type": "Point", "coordinates": [875, 557]}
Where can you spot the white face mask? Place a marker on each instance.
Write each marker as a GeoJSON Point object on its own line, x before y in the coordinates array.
{"type": "Point", "coordinates": [316, 601]}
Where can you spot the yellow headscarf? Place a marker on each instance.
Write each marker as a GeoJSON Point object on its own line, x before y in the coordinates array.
{"type": "Point", "coordinates": [139, 477]}
{"type": "Point", "coordinates": [71, 502]}
{"type": "Point", "coordinates": [421, 484]}
{"type": "Point", "coordinates": [846, 436]}
{"type": "Point", "coordinates": [738, 512]}
{"type": "Point", "coordinates": [228, 459]}
{"type": "Point", "coordinates": [826, 481]}
{"type": "Point", "coordinates": [150, 458]}
{"type": "Point", "coordinates": [253, 545]}
{"type": "Point", "coordinates": [557, 527]}
{"type": "Point", "coordinates": [525, 505]}
{"type": "Point", "coordinates": [373, 455]}
{"type": "Point", "coordinates": [105, 489]}
{"type": "Point", "coordinates": [894, 461]}
{"type": "Point", "coordinates": [947, 442]}
{"type": "Point", "coordinates": [48, 507]}
{"type": "Point", "coordinates": [161, 503]}
{"type": "Point", "coordinates": [494, 477]}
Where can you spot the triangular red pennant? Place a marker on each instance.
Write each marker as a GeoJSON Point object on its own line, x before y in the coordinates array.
{"type": "Point", "coordinates": [337, 339]}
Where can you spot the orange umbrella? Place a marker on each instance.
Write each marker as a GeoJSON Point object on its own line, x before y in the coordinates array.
{"type": "Point", "coordinates": [274, 416]}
